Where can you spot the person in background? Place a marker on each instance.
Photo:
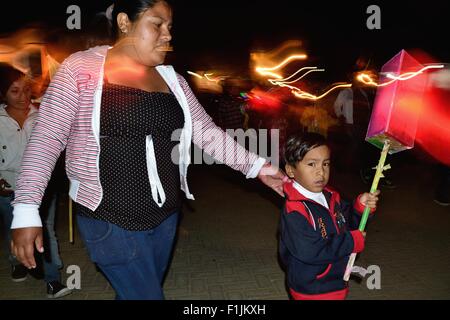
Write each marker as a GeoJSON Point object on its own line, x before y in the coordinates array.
{"type": "Point", "coordinates": [116, 110]}
{"type": "Point", "coordinates": [353, 106]}
{"type": "Point", "coordinates": [17, 117]}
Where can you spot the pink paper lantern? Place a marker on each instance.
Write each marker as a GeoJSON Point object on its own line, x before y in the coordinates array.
{"type": "Point", "coordinates": [397, 105]}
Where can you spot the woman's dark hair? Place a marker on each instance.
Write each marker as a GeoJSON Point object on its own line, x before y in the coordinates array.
{"type": "Point", "coordinates": [133, 8]}
{"type": "Point", "coordinates": [8, 75]}
{"type": "Point", "coordinates": [299, 144]}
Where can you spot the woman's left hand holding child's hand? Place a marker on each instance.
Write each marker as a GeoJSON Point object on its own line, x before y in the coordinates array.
{"type": "Point", "coordinates": [370, 199]}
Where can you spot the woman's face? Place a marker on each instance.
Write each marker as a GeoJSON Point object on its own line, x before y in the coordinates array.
{"type": "Point", "coordinates": [18, 95]}
{"type": "Point", "coordinates": [150, 34]}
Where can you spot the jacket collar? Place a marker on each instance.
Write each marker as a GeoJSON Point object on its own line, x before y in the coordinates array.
{"type": "Point", "coordinates": [100, 50]}
{"type": "Point", "coordinates": [292, 194]}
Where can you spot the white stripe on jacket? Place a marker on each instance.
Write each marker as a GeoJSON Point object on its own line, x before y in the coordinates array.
{"type": "Point", "coordinates": [69, 117]}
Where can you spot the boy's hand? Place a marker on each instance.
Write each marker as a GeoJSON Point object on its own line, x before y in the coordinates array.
{"type": "Point", "coordinates": [370, 199]}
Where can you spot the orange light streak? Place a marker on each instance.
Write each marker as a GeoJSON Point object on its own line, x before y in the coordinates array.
{"type": "Point", "coordinates": [266, 71]}
{"type": "Point", "coordinates": [217, 79]}
{"type": "Point", "coordinates": [207, 76]}
{"type": "Point", "coordinates": [284, 46]}
{"type": "Point", "coordinates": [367, 79]}
{"type": "Point", "coordinates": [305, 95]}
{"type": "Point", "coordinates": [195, 74]}
{"type": "Point", "coordinates": [283, 81]}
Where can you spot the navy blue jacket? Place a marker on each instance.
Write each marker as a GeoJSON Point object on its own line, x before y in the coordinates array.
{"type": "Point", "coordinates": [316, 242]}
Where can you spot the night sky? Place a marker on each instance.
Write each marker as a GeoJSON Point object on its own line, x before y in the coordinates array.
{"type": "Point", "coordinates": [334, 34]}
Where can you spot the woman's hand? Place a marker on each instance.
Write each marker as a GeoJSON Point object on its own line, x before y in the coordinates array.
{"type": "Point", "coordinates": [273, 177]}
{"type": "Point", "coordinates": [23, 242]}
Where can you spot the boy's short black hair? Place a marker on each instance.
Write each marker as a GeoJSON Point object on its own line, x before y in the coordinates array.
{"type": "Point", "coordinates": [298, 145]}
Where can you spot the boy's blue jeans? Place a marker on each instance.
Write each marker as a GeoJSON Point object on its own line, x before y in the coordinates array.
{"type": "Point", "coordinates": [133, 261]}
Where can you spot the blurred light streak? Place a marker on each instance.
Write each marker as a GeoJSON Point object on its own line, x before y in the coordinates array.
{"type": "Point", "coordinates": [308, 96]}
{"type": "Point", "coordinates": [266, 70]}
{"type": "Point", "coordinates": [284, 81]}
{"type": "Point", "coordinates": [195, 74]}
{"type": "Point", "coordinates": [367, 79]}
{"type": "Point", "coordinates": [282, 47]}
{"type": "Point", "coordinates": [217, 79]}
{"type": "Point", "coordinates": [433, 131]}
{"type": "Point", "coordinates": [278, 80]}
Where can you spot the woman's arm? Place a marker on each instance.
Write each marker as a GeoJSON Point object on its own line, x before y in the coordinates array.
{"type": "Point", "coordinates": [222, 147]}
{"type": "Point", "coordinates": [48, 138]}
{"type": "Point", "coordinates": [213, 140]}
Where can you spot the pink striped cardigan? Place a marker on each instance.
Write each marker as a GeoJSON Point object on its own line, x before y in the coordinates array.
{"type": "Point", "coordinates": [69, 118]}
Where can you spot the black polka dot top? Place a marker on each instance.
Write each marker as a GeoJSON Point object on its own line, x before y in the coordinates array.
{"type": "Point", "coordinates": [127, 116]}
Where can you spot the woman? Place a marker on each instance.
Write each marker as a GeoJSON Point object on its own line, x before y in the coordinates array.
{"type": "Point", "coordinates": [17, 116]}
{"type": "Point", "coordinates": [118, 111]}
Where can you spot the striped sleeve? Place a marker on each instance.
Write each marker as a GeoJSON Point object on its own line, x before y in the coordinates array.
{"type": "Point", "coordinates": [48, 137]}
{"type": "Point", "coordinates": [217, 143]}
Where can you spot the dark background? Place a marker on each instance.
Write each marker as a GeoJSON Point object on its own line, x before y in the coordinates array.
{"type": "Point", "coordinates": [334, 34]}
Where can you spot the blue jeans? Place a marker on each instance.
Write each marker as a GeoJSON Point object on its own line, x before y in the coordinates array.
{"type": "Point", "coordinates": [134, 262]}
{"type": "Point", "coordinates": [6, 212]}
{"type": "Point", "coordinates": [52, 261]}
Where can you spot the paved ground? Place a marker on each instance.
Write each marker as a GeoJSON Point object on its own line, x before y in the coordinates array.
{"type": "Point", "coordinates": [227, 245]}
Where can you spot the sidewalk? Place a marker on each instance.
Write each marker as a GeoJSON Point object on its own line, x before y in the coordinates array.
{"type": "Point", "coordinates": [227, 245]}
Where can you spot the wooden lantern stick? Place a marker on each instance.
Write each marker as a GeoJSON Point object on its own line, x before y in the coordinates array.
{"type": "Point", "coordinates": [362, 225]}
{"type": "Point", "coordinates": [70, 221]}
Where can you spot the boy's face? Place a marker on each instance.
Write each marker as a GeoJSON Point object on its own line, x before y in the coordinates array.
{"type": "Point", "coordinates": [313, 171]}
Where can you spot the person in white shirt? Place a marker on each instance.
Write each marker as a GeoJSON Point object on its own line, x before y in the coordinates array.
{"type": "Point", "coordinates": [17, 117]}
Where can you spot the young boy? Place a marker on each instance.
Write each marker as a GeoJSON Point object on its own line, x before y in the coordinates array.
{"type": "Point", "coordinates": [318, 230]}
